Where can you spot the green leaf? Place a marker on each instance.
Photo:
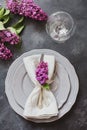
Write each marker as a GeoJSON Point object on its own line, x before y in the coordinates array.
{"type": "Point", "coordinates": [19, 26]}
{"type": "Point", "coordinates": [12, 30]}
{"type": "Point", "coordinates": [46, 86]}
{"type": "Point", "coordinates": [6, 19]}
{"type": "Point", "coordinates": [7, 12]}
{"type": "Point", "coordinates": [1, 12]}
{"type": "Point", "coordinates": [19, 30]}
{"type": "Point", "coordinates": [2, 26]}
{"type": "Point", "coordinates": [4, 15]}
{"type": "Point", "coordinates": [18, 23]}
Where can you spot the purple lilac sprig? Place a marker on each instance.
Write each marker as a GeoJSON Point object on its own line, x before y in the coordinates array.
{"type": "Point", "coordinates": [7, 36]}
{"type": "Point", "coordinates": [27, 8]}
{"type": "Point", "coordinates": [12, 6]}
{"type": "Point", "coordinates": [5, 53]}
{"type": "Point", "coordinates": [42, 73]}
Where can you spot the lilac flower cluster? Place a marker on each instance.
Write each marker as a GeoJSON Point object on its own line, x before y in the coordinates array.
{"type": "Point", "coordinates": [7, 37]}
{"type": "Point", "coordinates": [42, 73]}
{"type": "Point", "coordinates": [27, 8]}
{"type": "Point", "coordinates": [5, 53]}
{"type": "Point", "coordinates": [12, 6]}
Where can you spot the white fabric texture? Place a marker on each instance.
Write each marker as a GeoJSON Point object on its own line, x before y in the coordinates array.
{"type": "Point", "coordinates": [47, 107]}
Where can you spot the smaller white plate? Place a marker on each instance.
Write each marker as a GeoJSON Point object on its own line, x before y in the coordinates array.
{"type": "Point", "coordinates": [22, 85]}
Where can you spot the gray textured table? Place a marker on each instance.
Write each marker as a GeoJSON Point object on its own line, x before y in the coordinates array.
{"type": "Point", "coordinates": [75, 49]}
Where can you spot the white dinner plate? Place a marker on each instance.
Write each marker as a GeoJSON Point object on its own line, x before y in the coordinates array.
{"type": "Point", "coordinates": [72, 77]}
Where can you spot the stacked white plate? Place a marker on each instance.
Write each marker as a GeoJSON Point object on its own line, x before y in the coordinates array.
{"type": "Point", "coordinates": [18, 86]}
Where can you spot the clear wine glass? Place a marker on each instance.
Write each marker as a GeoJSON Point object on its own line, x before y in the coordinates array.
{"type": "Point", "coordinates": [60, 26]}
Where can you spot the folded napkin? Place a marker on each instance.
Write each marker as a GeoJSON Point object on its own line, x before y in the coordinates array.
{"type": "Point", "coordinates": [41, 103]}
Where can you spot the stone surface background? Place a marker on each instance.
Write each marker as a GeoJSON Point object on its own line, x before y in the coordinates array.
{"type": "Point", "coordinates": [75, 49]}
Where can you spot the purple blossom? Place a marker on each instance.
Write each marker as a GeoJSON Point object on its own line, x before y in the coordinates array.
{"type": "Point", "coordinates": [7, 37]}
{"type": "Point", "coordinates": [42, 72]}
{"type": "Point", "coordinates": [27, 8]}
{"type": "Point", "coordinates": [5, 53]}
{"type": "Point", "coordinates": [12, 6]}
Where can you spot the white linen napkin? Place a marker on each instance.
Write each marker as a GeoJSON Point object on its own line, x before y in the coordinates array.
{"type": "Point", "coordinates": [45, 98]}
